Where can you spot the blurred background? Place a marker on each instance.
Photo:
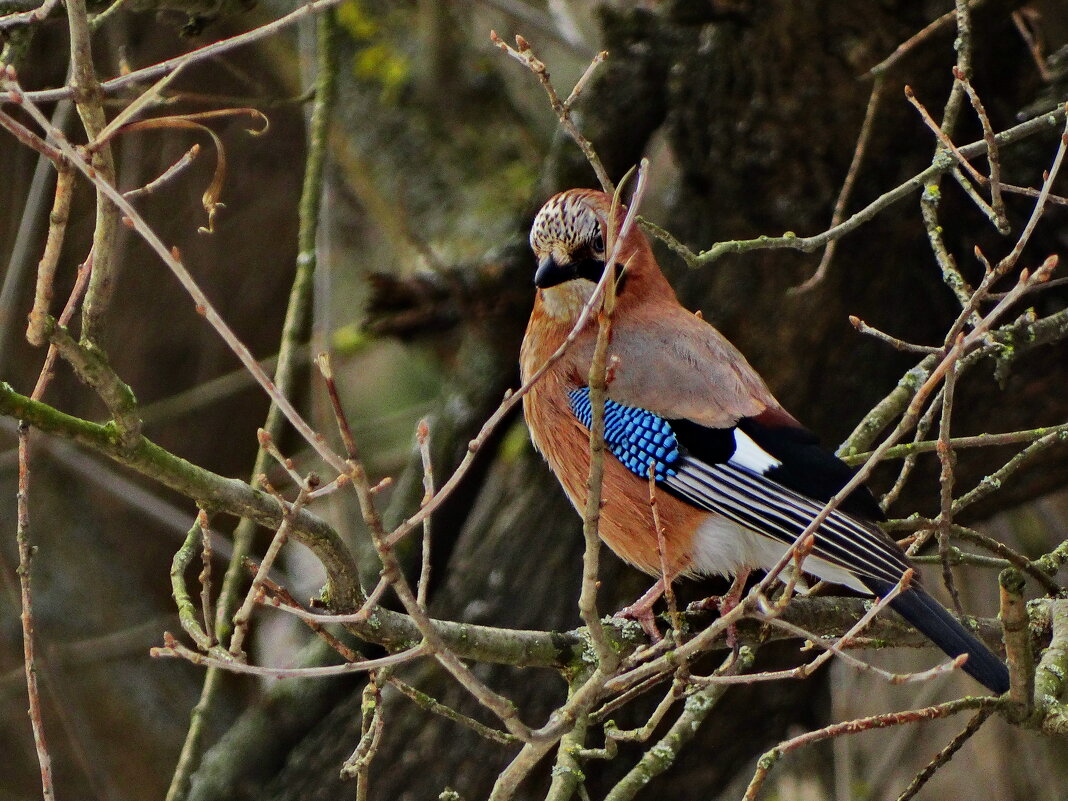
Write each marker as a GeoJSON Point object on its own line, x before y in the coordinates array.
{"type": "Point", "coordinates": [440, 152]}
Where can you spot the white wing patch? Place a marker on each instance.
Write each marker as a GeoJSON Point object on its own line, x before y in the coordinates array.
{"type": "Point", "coordinates": [750, 456]}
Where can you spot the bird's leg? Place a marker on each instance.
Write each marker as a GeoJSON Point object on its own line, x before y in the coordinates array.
{"type": "Point", "coordinates": [727, 602]}
{"type": "Point", "coordinates": [734, 594]}
{"type": "Point", "coordinates": [642, 611]}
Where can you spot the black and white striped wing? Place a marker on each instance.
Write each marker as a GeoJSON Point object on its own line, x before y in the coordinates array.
{"type": "Point", "coordinates": [759, 503]}
{"type": "Point", "coordinates": [772, 480]}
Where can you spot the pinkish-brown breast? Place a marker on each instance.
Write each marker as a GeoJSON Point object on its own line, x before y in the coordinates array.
{"type": "Point", "coordinates": [626, 523]}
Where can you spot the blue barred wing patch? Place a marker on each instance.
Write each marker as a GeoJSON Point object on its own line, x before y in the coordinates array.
{"type": "Point", "coordinates": [636, 437]}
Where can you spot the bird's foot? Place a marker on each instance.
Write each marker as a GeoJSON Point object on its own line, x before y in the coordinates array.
{"type": "Point", "coordinates": [641, 611]}
{"type": "Point", "coordinates": [726, 603]}
{"type": "Point", "coordinates": [642, 614]}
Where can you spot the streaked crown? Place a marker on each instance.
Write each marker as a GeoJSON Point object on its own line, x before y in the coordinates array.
{"type": "Point", "coordinates": [565, 221]}
{"type": "Point", "coordinates": [568, 239]}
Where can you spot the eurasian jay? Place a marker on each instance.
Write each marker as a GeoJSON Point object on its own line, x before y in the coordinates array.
{"type": "Point", "coordinates": [738, 479]}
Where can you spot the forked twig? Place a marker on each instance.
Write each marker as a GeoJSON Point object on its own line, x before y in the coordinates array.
{"type": "Point", "coordinates": [525, 55]}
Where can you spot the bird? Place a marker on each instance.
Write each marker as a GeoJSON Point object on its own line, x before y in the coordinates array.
{"type": "Point", "coordinates": [737, 478]}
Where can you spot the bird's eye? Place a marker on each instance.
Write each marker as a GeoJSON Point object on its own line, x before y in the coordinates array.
{"type": "Point", "coordinates": [598, 243]}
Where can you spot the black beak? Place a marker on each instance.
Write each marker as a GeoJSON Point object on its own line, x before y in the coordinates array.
{"type": "Point", "coordinates": [550, 273]}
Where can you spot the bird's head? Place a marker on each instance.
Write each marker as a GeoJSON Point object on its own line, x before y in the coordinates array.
{"type": "Point", "coordinates": [569, 238]}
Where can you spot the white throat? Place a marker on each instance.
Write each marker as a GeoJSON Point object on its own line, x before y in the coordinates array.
{"type": "Point", "coordinates": [565, 301]}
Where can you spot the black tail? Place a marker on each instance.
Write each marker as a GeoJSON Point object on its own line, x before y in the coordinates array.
{"type": "Point", "coordinates": [945, 631]}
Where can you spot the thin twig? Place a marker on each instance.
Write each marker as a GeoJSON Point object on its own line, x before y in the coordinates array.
{"type": "Point", "coordinates": [922, 427]}
{"type": "Point", "coordinates": [920, 36]}
{"type": "Point", "coordinates": [946, 481]}
{"type": "Point", "coordinates": [166, 176]}
{"type": "Point", "coordinates": [1032, 568]}
{"type": "Point", "coordinates": [1040, 122]}
{"type": "Point", "coordinates": [892, 341]}
{"type": "Point", "coordinates": [666, 576]}
{"type": "Point", "coordinates": [997, 202]}
{"type": "Point", "coordinates": [267, 444]}
{"type": "Point", "coordinates": [326, 369]}
{"type": "Point", "coordinates": [20, 257]}
{"type": "Point", "coordinates": [1024, 18]}
{"type": "Point", "coordinates": [524, 55]}
{"type": "Point", "coordinates": [1027, 191]}
{"type": "Point", "coordinates": [805, 670]}
{"type": "Point", "coordinates": [1040, 204]}
{"type": "Point", "coordinates": [194, 56]}
{"type": "Point", "coordinates": [96, 20]}
{"type": "Point", "coordinates": [942, 136]}
{"type": "Point", "coordinates": [846, 192]}
{"type": "Point", "coordinates": [372, 724]}
{"type": "Point", "coordinates": [597, 380]}
{"type": "Point", "coordinates": [424, 701]}
{"type": "Point", "coordinates": [187, 613]}
{"type": "Point", "coordinates": [244, 612]}
{"type": "Point", "coordinates": [768, 760]}
{"type": "Point", "coordinates": [30, 17]}
{"type": "Point", "coordinates": [670, 240]}
{"type": "Point", "coordinates": [87, 99]}
{"type": "Point", "coordinates": [978, 441]}
{"type": "Point", "coordinates": [37, 329]}
{"type": "Point", "coordinates": [171, 648]}
{"type": "Point", "coordinates": [25, 135]}
{"type": "Point", "coordinates": [205, 572]}
{"type": "Point", "coordinates": [946, 754]}
{"type": "Point", "coordinates": [422, 435]}
{"type": "Point", "coordinates": [152, 96]}
{"type": "Point", "coordinates": [995, 480]}
{"type": "Point", "coordinates": [22, 537]}
{"type": "Point", "coordinates": [838, 649]}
